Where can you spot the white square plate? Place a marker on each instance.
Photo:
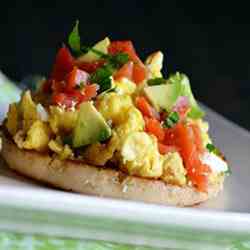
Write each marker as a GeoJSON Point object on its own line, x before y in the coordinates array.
{"type": "Point", "coordinates": [29, 207]}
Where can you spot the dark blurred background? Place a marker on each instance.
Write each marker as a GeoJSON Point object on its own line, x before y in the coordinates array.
{"type": "Point", "coordinates": [209, 42]}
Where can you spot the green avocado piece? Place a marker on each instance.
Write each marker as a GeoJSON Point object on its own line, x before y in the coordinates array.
{"type": "Point", "coordinates": [90, 126]}
{"type": "Point", "coordinates": [165, 96]}
{"type": "Point", "coordinates": [101, 46]}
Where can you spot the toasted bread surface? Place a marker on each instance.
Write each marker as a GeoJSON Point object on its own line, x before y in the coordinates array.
{"type": "Point", "coordinates": [79, 177]}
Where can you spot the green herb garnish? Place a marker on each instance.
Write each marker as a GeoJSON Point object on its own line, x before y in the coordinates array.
{"type": "Point", "coordinates": [74, 39]}
{"type": "Point", "coordinates": [74, 42]}
{"type": "Point", "coordinates": [171, 120]}
{"type": "Point", "coordinates": [212, 149]}
{"type": "Point", "coordinates": [119, 59]}
{"type": "Point", "coordinates": [102, 73]}
{"type": "Point", "coordinates": [156, 81]}
{"type": "Point", "coordinates": [104, 135]}
{"type": "Point", "coordinates": [102, 77]}
{"type": "Point", "coordinates": [115, 61]}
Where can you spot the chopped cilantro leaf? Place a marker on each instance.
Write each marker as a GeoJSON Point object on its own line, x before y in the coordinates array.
{"type": "Point", "coordinates": [104, 135]}
{"type": "Point", "coordinates": [102, 73]}
{"type": "Point", "coordinates": [105, 84]}
{"type": "Point", "coordinates": [171, 120]}
{"type": "Point", "coordinates": [156, 81]}
{"type": "Point", "coordinates": [74, 39]}
{"type": "Point", "coordinates": [102, 77]}
{"type": "Point", "coordinates": [115, 61]}
{"type": "Point", "coordinates": [119, 59]}
{"type": "Point", "coordinates": [212, 149]}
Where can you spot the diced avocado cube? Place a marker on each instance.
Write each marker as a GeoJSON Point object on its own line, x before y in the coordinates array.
{"type": "Point", "coordinates": [165, 96]}
{"type": "Point", "coordinates": [91, 127]}
{"type": "Point", "coordinates": [101, 46]}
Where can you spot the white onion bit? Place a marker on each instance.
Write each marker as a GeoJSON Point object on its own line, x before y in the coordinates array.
{"type": "Point", "coordinates": [43, 114]}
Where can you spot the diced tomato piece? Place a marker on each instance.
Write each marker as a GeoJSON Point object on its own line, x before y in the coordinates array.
{"type": "Point", "coordinates": [90, 67]}
{"type": "Point", "coordinates": [153, 126]}
{"type": "Point", "coordinates": [76, 95]}
{"type": "Point", "coordinates": [198, 174]}
{"type": "Point", "coordinates": [125, 71]}
{"type": "Point", "coordinates": [62, 99]}
{"type": "Point", "coordinates": [139, 73]}
{"type": "Point", "coordinates": [170, 137]}
{"type": "Point", "coordinates": [197, 137]}
{"type": "Point", "coordinates": [189, 144]}
{"type": "Point", "coordinates": [205, 168]}
{"type": "Point", "coordinates": [64, 63]}
{"type": "Point", "coordinates": [79, 96]}
{"type": "Point", "coordinates": [125, 47]}
{"type": "Point", "coordinates": [145, 108]}
{"type": "Point", "coordinates": [184, 138]}
{"type": "Point", "coordinates": [75, 77]}
{"type": "Point", "coordinates": [139, 70]}
{"type": "Point", "coordinates": [164, 149]}
{"type": "Point", "coordinates": [200, 181]}
{"type": "Point", "coordinates": [90, 91]}
{"type": "Point", "coordinates": [71, 79]}
{"type": "Point", "coordinates": [58, 98]}
{"type": "Point", "coordinates": [57, 86]}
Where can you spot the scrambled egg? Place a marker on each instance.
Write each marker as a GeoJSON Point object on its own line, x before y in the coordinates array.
{"type": "Point", "coordinates": [64, 151]}
{"type": "Point", "coordinates": [112, 106]}
{"type": "Point", "coordinates": [204, 127]}
{"type": "Point", "coordinates": [132, 122]}
{"type": "Point", "coordinates": [61, 120]}
{"type": "Point", "coordinates": [19, 138]}
{"type": "Point", "coordinates": [140, 155]}
{"type": "Point", "coordinates": [12, 119]}
{"type": "Point", "coordinates": [98, 154]}
{"type": "Point", "coordinates": [215, 178]}
{"type": "Point", "coordinates": [173, 169]}
{"type": "Point", "coordinates": [135, 151]}
{"type": "Point", "coordinates": [154, 64]}
{"type": "Point", "coordinates": [38, 137]}
{"type": "Point", "coordinates": [28, 110]}
{"type": "Point", "coordinates": [125, 118]}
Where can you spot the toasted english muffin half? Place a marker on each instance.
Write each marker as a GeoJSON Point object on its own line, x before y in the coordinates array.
{"type": "Point", "coordinates": [105, 182]}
